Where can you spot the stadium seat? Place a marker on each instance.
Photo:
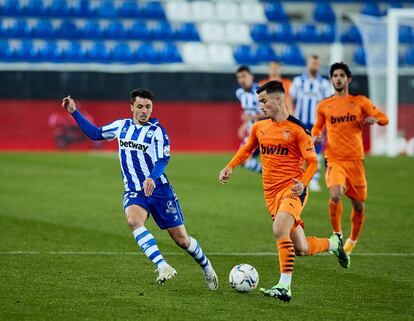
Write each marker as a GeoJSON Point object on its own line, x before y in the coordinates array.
{"type": "Point", "coordinates": [50, 52]}
{"type": "Point", "coordinates": [114, 30]}
{"type": "Point", "coordinates": [12, 8]}
{"type": "Point", "coordinates": [275, 12]}
{"type": "Point", "coordinates": [43, 29]}
{"type": "Point", "coordinates": [220, 54]}
{"type": "Point", "coordinates": [153, 10]}
{"type": "Point", "coordinates": [227, 11]}
{"type": "Point", "coordinates": [57, 8]}
{"type": "Point", "coordinates": [19, 29]}
{"type": "Point", "coordinates": [292, 55]}
{"type": "Point", "coordinates": [129, 9]}
{"type": "Point", "coordinates": [106, 9]}
{"type": "Point", "coordinates": [194, 53]}
{"type": "Point", "coordinates": [82, 8]}
{"type": "Point", "coordinates": [282, 32]}
{"type": "Point", "coordinates": [327, 33]}
{"type": "Point", "coordinates": [146, 53]}
{"type": "Point", "coordinates": [409, 56]}
{"type": "Point", "coordinates": [139, 31]}
{"type": "Point", "coordinates": [74, 53]}
{"type": "Point", "coordinates": [307, 33]}
{"type": "Point", "coordinates": [179, 11]}
{"type": "Point", "coordinates": [252, 12]}
{"type": "Point", "coordinates": [260, 32]}
{"type": "Point", "coordinates": [245, 55]}
{"type": "Point", "coordinates": [372, 9]}
{"type": "Point", "coordinates": [323, 12]}
{"type": "Point", "coordinates": [187, 32]}
{"type": "Point", "coordinates": [34, 8]}
{"type": "Point", "coordinates": [405, 34]}
{"type": "Point", "coordinates": [121, 53]}
{"type": "Point", "coordinates": [351, 35]}
{"type": "Point", "coordinates": [68, 30]}
{"type": "Point", "coordinates": [26, 51]}
{"type": "Point", "coordinates": [170, 54]}
{"type": "Point", "coordinates": [6, 51]}
{"type": "Point", "coordinates": [265, 53]}
{"type": "Point", "coordinates": [91, 30]}
{"type": "Point", "coordinates": [359, 56]}
{"type": "Point", "coordinates": [162, 31]}
{"type": "Point", "coordinates": [212, 32]}
{"type": "Point", "coordinates": [3, 29]}
{"type": "Point", "coordinates": [202, 11]}
{"type": "Point", "coordinates": [98, 52]}
{"type": "Point", "coordinates": [237, 33]}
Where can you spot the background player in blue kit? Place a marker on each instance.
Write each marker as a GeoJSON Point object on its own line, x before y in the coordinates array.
{"type": "Point", "coordinates": [144, 151]}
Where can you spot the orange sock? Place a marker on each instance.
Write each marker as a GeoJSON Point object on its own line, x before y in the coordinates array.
{"type": "Point", "coordinates": [357, 219]}
{"type": "Point", "coordinates": [317, 245]}
{"type": "Point", "coordinates": [335, 214]}
{"type": "Point", "coordinates": [286, 255]}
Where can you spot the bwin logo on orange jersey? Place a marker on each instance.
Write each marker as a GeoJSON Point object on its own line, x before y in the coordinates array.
{"type": "Point", "coordinates": [342, 119]}
{"type": "Point", "coordinates": [271, 150]}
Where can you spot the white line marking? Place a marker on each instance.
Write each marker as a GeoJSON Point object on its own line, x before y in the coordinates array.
{"type": "Point", "coordinates": [182, 253]}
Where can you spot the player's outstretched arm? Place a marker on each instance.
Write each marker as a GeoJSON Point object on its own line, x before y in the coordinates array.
{"type": "Point", "coordinates": [85, 125]}
{"type": "Point", "coordinates": [225, 174]}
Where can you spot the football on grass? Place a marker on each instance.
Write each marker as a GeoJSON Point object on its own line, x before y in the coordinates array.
{"type": "Point", "coordinates": [243, 278]}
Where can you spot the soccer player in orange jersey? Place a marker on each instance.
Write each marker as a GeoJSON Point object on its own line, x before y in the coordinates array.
{"type": "Point", "coordinates": [343, 115]}
{"type": "Point", "coordinates": [285, 145]}
{"type": "Point", "coordinates": [275, 73]}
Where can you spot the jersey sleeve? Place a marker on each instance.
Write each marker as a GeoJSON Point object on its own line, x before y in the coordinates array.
{"type": "Point", "coordinates": [246, 150]}
{"type": "Point", "coordinates": [294, 88]}
{"type": "Point", "coordinates": [162, 144]}
{"type": "Point", "coordinates": [112, 130]}
{"type": "Point", "coordinates": [307, 150]}
{"type": "Point", "coordinates": [319, 122]}
{"type": "Point", "coordinates": [371, 110]}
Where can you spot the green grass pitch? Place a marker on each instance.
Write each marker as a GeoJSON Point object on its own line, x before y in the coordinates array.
{"type": "Point", "coordinates": [66, 252]}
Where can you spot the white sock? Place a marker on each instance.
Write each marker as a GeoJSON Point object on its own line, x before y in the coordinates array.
{"type": "Point", "coordinates": [198, 255]}
{"type": "Point", "coordinates": [285, 278]}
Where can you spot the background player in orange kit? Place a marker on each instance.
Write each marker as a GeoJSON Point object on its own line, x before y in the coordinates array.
{"type": "Point", "coordinates": [343, 116]}
{"type": "Point", "coordinates": [284, 146]}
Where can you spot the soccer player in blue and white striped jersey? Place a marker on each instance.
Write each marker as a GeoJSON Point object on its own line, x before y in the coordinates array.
{"type": "Point", "coordinates": [144, 151]}
{"type": "Point", "coordinates": [306, 91]}
{"type": "Point", "coordinates": [249, 102]}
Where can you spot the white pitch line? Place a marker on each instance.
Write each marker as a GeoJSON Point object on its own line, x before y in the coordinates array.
{"type": "Point", "coordinates": [181, 253]}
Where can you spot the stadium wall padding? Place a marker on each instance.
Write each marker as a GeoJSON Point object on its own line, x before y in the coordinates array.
{"type": "Point", "coordinates": [192, 126]}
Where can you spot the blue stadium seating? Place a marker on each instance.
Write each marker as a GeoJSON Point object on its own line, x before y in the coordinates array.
{"type": "Point", "coordinates": [106, 9]}
{"type": "Point", "coordinates": [129, 9]}
{"type": "Point", "coordinates": [169, 54]}
{"type": "Point", "coordinates": [323, 12]}
{"type": "Point", "coordinates": [139, 31]}
{"type": "Point", "coordinates": [147, 53]}
{"type": "Point", "coordinates": [282, 33]}
{"type": "Point", "coordinates": [114, 30]}
{"type": "Point", "coordinates": [359, 56]}
{"type": "Point", "coordinates": [12, 8]}
{"type": "Point", "coordinates": [121, 52]}
{"type": "Point", "coordinates": [98, 53]}
{"type": "Point", "coordinates": [74, 53]}
{"type": "Point", "coordinates": [82, 8]}
{"type": "Point", "coordinates": [34, 8]}
{"type": "Point", "coordinates": [260, 33]}
{"type": "Point", "coordinates": [91, 30]}
{"type": "Point", "coordinates": [351, 35]}
{"type": "Point", "coordinates": [153, 10]}
{"type": "Point", "coordinates": [409, 56]}
{"type": "Point", "coordinates": [292, 55]}
{"type": "Point", "coordinates": [68, 30]}
{"type": "Point", "coordinates": [406, 34]}
{"type": "Point", "coordinates": [265, 53]}
{"type": "Point", "coordinates": [275, 12]}
{"type": "Point", "coordinates": [372, 9]}
{"type": "Point", "coordinates": [327, 33]}
{"type": "Point", "coordinates": [27, 52]}
{"type": "Point", "coordinates": [43, 29]}
{"type": "Point", "coordinates": [19, 29]}
{"type": "Point", "coordinates": [162, 31]}
{"type": "Point", "coordinates": [187, 32]}
{"type": "Point", "coordinates": [307, 33]}
{"type": "Point", "coordinates": [57, 9]}
{"type": "Point", "coordinates": [6, 51]}
{"type": "Point", "coordinates": [244, 54]}
{"type": "Point", "coordinates": [50, 52]}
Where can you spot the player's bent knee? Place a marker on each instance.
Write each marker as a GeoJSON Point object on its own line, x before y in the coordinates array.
{"type": "Point", "coordinates": [336, 198]}
{"type": "Point", "coordinates": [359, 206]}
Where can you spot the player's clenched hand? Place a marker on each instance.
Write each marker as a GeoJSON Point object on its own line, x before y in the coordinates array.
{"type": "Point", "coordinates": [224, 175]}
{"type": "Point", "coordinates": [370, 120]}
{"type": "Point", "coordinates": [69, 104]}
{"type": "Point", "coordinates": [317, 139]}
{"type": "Point", "coordinates": [298, 188]}
{"type": "Point", "coordinates": [149, 186]}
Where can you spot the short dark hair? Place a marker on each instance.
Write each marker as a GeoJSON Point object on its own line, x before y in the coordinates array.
{"type": "Point", "coordinates": [272, 86]}
{"type": "Point", "coordinates": [243, 68]}
{"type": "Point", "coordinates": [314, 56]}
{"type": "Point", "coordinates": [340, 65]}
{"type": "Point", "coordinates": [142, 93]}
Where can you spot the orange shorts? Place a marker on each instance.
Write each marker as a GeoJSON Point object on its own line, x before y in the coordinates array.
{"type": "Point", "coordinates": [284, 201]}
{"type": "Point", "coordinates": [350, 174]}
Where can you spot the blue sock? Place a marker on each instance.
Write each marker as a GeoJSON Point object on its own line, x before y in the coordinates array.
{"type": "Point", "coordinates": [148, 245]}
{"type": "Point", "coordinates": [198, 255]}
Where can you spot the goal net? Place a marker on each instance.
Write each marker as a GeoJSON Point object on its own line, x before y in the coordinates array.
{"type": "Point", "coordinates": [388, 42]}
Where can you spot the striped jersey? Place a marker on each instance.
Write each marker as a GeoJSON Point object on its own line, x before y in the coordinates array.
{"type": "Point", "coordinates": [249, 101]}
{"type": "Point", "coordinates": [308, 92]}
{"type": "Point", "coordinates": [140, 147]}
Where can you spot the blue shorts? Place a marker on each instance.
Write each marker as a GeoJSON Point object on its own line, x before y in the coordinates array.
{"type": "Point", "coordinates": [163, 205]}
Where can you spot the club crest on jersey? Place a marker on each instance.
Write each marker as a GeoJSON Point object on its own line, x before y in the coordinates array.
{"type": "Point", "coordinates": [171, 209]}
{"type": "Point", "coordinates": [286, 135]}
{"type": "Point", "coordinates": [150, 134]}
